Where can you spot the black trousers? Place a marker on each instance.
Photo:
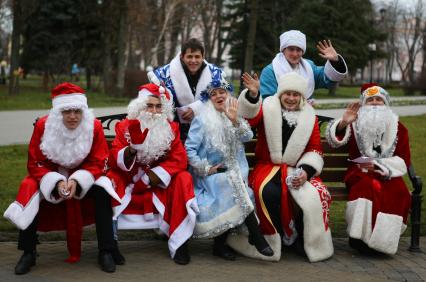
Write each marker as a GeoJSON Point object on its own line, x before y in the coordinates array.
{"type": "Point", "coordinates": [272, 198]}
{"type": "Point", "coordinates": [103, 215]}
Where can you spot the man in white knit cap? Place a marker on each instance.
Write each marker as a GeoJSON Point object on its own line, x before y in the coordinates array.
{"type": "Point", "coordinates": [290, 59]}
{"type": "Point", "coordinates": [292, 203]}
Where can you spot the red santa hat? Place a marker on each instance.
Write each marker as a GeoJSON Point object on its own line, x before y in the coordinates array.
{"type": "Point", "coordinates": [152, 89]}
{"type": "Point", "coordinates": [371, 90]}
{"type": "Point", "coordinates": [68, 96]}
{"type": "Point", "coordinates": [146, 91]}
{"type": "Point", "coordinates": [293, 38]}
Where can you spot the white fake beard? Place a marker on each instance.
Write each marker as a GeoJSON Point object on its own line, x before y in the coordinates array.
{"type": "Point", "coordinates": [372, 123]}
{"type": "Point", "coordinates": [67, 147]}
{"type": "Point", "coordinates": [291, 117]}
{"type": "Point", "coordinates": [159, 138]}
{"type": "Point", "coordinates": [216, 125]}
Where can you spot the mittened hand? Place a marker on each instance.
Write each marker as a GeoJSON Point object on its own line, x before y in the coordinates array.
{"type": "Point", "coordinates": [137, 137]}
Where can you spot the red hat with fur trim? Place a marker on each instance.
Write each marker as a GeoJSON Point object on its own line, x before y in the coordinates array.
{"type": "Point", "coordinates": [68, 96]}
{"type": "Point", "coordinates": [152, 89]}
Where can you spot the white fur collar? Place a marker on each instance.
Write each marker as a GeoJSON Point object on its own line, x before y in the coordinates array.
{"type": "Point", "coordinates": [181, 85]}
{"type": "Point", "coordinates": [273, 130]}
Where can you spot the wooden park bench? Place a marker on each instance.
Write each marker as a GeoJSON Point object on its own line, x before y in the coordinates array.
{"type": "Point", "coordinates": [335, 165]}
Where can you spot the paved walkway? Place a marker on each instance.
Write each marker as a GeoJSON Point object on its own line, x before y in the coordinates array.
{"type": "Point", "coordinates": [347, 100]}
{"type": "Point", "coordinates": [148, 261]}
{"type": "Point", "coordinates": [17, 126]}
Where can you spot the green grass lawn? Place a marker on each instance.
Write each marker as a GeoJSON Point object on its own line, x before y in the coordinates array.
{"type": "Point", "coordinates": [352, 92]}
{"type": "Point", "coordinates": [13, 169]}
{"type": "Point", "coordinates": [32, 96]}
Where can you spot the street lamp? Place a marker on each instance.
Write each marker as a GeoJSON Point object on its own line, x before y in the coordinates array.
{"type": "Point", "coordinates": [372, 48]}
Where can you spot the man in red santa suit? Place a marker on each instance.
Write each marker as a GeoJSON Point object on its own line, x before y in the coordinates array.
{"type": "Point", "coordinates": [148, 170]}
{"type": "Point", "coordinates": [379, 201]}
{"type": "Point", "coordinates": [292, 203]}
{"type": "Point", "coordinates": [66, 155]}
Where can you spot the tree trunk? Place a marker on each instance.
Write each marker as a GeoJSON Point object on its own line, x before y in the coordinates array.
{"type": "Point", "coordinates": [421, 80]}
{"type": "Point", "coordinates": [16, 44]}
{"type": "Point", "coordinates": [122, 36]}
{"type": "Point", "coordinates": [45, 80]}
{"type": "Point", "coordinates": [332, 90]}
{"type": "Point", "coordinates": [251, 37]}
{"type": "Point", "coordinates": [88, 78]}
{"type": "Point", "coordinates": [176, 29]}
{"type": "Point", "coordinates": [107, 30]}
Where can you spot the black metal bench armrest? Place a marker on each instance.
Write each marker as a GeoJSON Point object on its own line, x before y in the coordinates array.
{"type": "Point", "coordinates": [323, 119]}
{"type": "Point", "coordinates": [107, 120]}
{"type": "Point", "coordinates": [416, 181]}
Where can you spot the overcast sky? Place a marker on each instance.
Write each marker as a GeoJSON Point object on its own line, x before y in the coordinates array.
{"type": "Point", "coordinates": [407, 3]}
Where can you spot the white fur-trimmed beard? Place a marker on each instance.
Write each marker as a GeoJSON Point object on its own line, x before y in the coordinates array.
{"type": "Point", "coordinates": [67, 147]}
{"type": "Point", "coordinates": [159, 138]}
{"type": "Point", "coordinates": [372, 123]}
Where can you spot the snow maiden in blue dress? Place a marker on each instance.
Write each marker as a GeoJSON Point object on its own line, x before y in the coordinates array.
{"type": "Point", "coordinates": [219, 168]}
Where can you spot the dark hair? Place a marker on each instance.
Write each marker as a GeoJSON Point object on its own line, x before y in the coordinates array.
{"type": "Point", "coordinates": [194, 44]}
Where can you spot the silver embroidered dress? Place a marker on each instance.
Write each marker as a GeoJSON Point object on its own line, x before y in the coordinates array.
{"type": "Point", "coordinates": [224, 199]}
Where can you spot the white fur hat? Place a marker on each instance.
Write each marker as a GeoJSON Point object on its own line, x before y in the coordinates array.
{"type": "Point", "coordinates": [292, 81]}
{"type": "Point", "coordinates": [293, 38]}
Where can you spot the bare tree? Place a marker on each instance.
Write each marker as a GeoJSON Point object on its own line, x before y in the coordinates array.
{"type": "Point", "coordinates": [169, 8]}
{"type": "Point", "coordinates": [212, 25]}
{"type": "Point", "coordinates": [16, 45]}
{"type": "Point", "coordinates": [121, 43]}
{"type": "Point", "coordinates": [389, 20]}
{"type": "Point", "coordinates": [412, 25]}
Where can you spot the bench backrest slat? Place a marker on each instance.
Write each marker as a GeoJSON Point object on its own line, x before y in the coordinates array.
{"type": "Point", "coordinates": [335, 160]}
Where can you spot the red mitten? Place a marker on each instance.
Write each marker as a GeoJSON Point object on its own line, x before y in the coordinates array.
{"type": "Point", "coordinates": [137, 137]}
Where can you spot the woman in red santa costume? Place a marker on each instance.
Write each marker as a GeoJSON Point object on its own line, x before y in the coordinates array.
{"type": "Point", "coordinates": [379, 201]}
{"type": "Point", "coordinates": [148, 170]}
{"type": "Point", "coordinates": [292, 203]}
{"type": "Point", "coordinates": [67, 154]}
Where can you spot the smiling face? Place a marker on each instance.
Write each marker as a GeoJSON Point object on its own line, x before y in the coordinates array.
{"type": "Point", "coordinates": [218, 97]}
{"type": "Point", "coordinates": [72, 118]}
{"type": "Point", "coordinates": [193, 59]}
{"type": "Point", "coordinates": [290, 100]}
{"type": "Point", "coordinates": [293, 54]}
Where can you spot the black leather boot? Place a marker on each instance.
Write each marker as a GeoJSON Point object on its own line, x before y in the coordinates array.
{"type": "Point", "coordinates": [182, 255]}
{"type": "Point", "coordinates": [119, 259]}
{"type": "Point", "coordinates": [362, 247]}
{"type": "Point", "coordinates": [106, 261]}
{"type": "Point", "coordinates": [299, 245]}
{"type": "Point", "coordinates": [220, 249]}
{"type": "Point", "coordinates": [256, 237]}
{"type": "Point", "coordinates": [25, 263]}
